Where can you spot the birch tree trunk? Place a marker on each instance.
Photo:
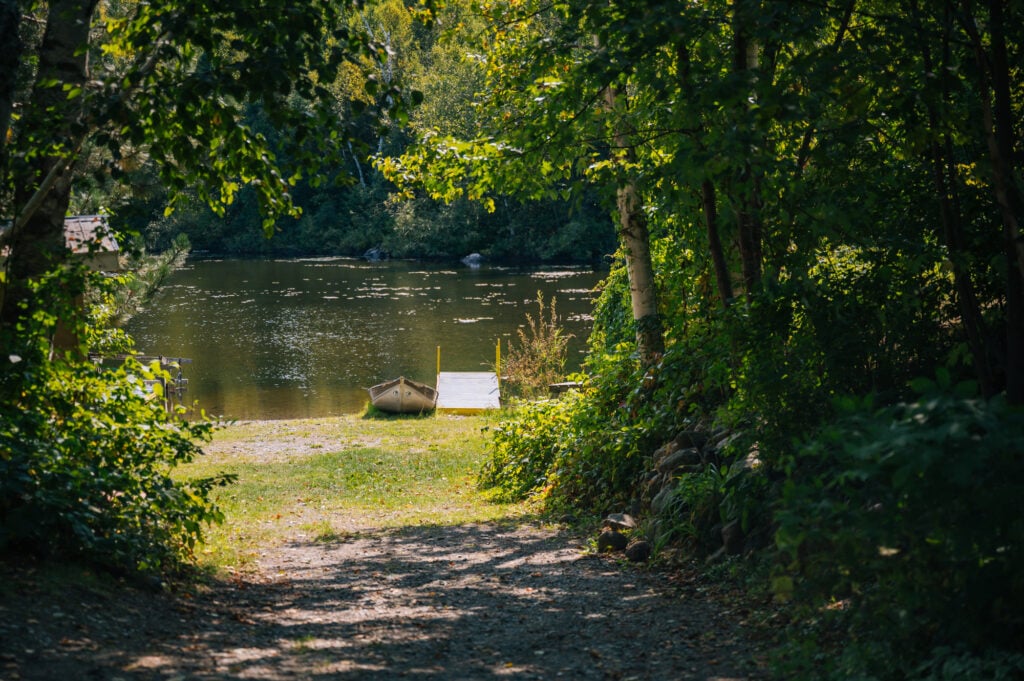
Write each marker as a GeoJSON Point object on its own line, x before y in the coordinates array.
{"type": "Point", "coordinates": [636, 244]}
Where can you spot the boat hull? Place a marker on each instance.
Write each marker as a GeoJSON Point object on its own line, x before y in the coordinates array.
{"type": "Point", "coordinates": [403, 396]}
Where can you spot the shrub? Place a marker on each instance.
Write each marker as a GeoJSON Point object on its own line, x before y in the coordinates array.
{"type": "Point", "coordinates": [906, 518]}
{"type": "Point", "coordinates": [86, 455]}
{"type": "Point", "coordinates": [85, 462]}
{"type": "Point", "coordinates": [585, 450]}
{"type": "Point", "coordinates": [523, 448]}
{"type": "Point", "coordinates": [537, 359]}
{"type": "Point", "coordinates": [693, 508]}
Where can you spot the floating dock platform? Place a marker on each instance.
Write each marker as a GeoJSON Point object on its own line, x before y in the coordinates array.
{"type": "Point", "coordinates": [467, 392]}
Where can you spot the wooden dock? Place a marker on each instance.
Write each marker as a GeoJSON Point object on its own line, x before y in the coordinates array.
{"type": "Point", "coordinates": [467, 392]}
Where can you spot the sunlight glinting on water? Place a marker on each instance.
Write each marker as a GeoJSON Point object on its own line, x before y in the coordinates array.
{"type": "Point", "coordinates": [303, 338]}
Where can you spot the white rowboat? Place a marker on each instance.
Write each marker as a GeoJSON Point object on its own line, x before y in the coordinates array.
{"type": "Point", "coordinates": [403, 396]}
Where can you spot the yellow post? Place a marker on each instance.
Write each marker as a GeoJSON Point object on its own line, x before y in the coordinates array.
{"type": "Point", "coordinates": [438, 360]}
{"type": "Point", "coordinates": [497, 363]}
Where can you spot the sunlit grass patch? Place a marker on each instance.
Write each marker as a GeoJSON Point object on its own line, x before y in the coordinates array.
{"type": "Point", "coordinates": [324, 532]}
{"type": "Point", "coordinates": [325, 479]}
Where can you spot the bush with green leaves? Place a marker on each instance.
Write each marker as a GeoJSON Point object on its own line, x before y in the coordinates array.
{"type": "Point", "coordinates": [586, 450]}
{"type": "Point", "coordinates": [86, 455]}
{"type": "Point", "coordinates": [905, 520]}
{"type": "Point", "coordinates": [86, 461]}
{"type": "Point", "coordinates": [693, 508]}
{"type": "Point", "coordinates": [523, 448]}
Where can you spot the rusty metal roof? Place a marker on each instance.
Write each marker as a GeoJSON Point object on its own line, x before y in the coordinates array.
{"type": "Point", "coordinates": [88, 236]}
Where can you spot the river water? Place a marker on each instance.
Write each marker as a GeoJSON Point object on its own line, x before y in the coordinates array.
{"type": "Point", "coordinates": [278, 339]}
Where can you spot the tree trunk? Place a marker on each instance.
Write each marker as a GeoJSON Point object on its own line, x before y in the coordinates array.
{"type": "Point", "coordinates": [748, 204]}
{"type": "Point", "coordinates": [53, 122]}
{"type": "Point", "coordinates": [1010, 202]}
{"type": "Point", "coordinates": [722, 275]}
{"type": "Point", "coordinates": [359, 167]}
{"type": "Point", "coordinates": [636, 244]}
{"type": "Point", "coordinates": [642, 290]}
{"type": "Point", "coordinates": [749, 241]}
{"type": "Point", "coordinates": [967, 300]}
{"type": "Point", "coordinates": [10, 58]}
{"type": "Point", "coordinates": [944, 178]}
{"type": "Point", "coordinates": [709, 201]}
{"type": "Point", "coordinates": [997, 119]}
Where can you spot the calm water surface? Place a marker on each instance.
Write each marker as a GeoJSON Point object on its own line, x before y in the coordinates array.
{"type": "Point", "coordinates": [304, 338]}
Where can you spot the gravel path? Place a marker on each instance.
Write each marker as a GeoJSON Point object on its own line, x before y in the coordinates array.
{"type": "Point", "coordinates": [513, 601]}
{"type": "Point", "coordinates": [510, 600]}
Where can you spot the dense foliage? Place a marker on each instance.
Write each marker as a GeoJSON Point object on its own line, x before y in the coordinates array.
{"type": "Point", "coordinates": [831, 198]}
{"type": "Point", "coordinates": [87, 454]}
{"type": "Point", "coordinates": [910, 506]}
{"type": "Point", "coordinates": [353, 220]}
{"type": "Point", "coordinates": [354, 212]}
{"type": "Point", "coordinates": [816, 205]}
{"type": "Point", "coordinates": [102, 102]}
{"type": "Point", "coordinates": [102, 489]}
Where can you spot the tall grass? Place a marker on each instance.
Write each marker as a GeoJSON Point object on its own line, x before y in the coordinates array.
{"type": "Point", "coordinates": [536, 359]}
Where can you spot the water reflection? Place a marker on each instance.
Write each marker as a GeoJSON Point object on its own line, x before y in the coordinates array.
{"type": "Point", "coordinates": [303, 338]}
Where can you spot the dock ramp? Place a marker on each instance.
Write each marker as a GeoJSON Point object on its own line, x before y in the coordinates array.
{"type": "Point", "coordinates": [467, 392]}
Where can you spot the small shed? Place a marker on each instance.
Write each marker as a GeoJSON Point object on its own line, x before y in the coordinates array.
{"type": "Point", "coordinates": [89, 237]}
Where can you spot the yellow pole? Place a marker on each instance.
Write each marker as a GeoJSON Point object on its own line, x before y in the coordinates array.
{"type": "Point", "coordinates": [497, 363]}
{"type": "Point", "coordinates": [438, 360]}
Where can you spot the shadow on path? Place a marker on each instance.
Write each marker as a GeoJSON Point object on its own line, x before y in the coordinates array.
{"type": "Point", "coordinates": [489, 601]}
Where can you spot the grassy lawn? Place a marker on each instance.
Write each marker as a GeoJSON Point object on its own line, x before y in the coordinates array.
{"type": "Point", "coordinates": [322, 479]}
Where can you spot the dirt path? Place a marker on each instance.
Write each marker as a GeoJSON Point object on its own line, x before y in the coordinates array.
{"type": "Point", "coordinates": [514, 600]}
{"type": "Point", "coordinates": [469, 602]}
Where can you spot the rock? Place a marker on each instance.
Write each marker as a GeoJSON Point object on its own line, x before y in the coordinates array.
{"type": "Point", "coordinates": [375, 255]}
{"type": "Point", "coordinates": [690, 439]}
{"type": "Point", "coordinates": [723, 439]}
{"type": "Point", "coordinates": [710, 457]}
{"type": "Point", "coordinates": [657, 528]}
{"type": "Point", "coordinates": [610, 540]}
{"type": "Point", "coordinates": [732, 538]}
{"type": "Point", "coordinates": [661, 500]}
{"type": "Point", "coordinates": [652, 482]}
{"type": "Point", "coordinates": [473, 260]}
{"type": "Point", "coordinates": [679, 458]}
{"type": "Point", "coordinates": [752, 461]}
{"type": "Point", "coordinates": [567, 519]}
{"type": "Point", "coordinates": [663, 451]}
{"type": "Point", "coordinates": [620, 521]}
{"type": "Point", "coordinates": [639, 551]}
